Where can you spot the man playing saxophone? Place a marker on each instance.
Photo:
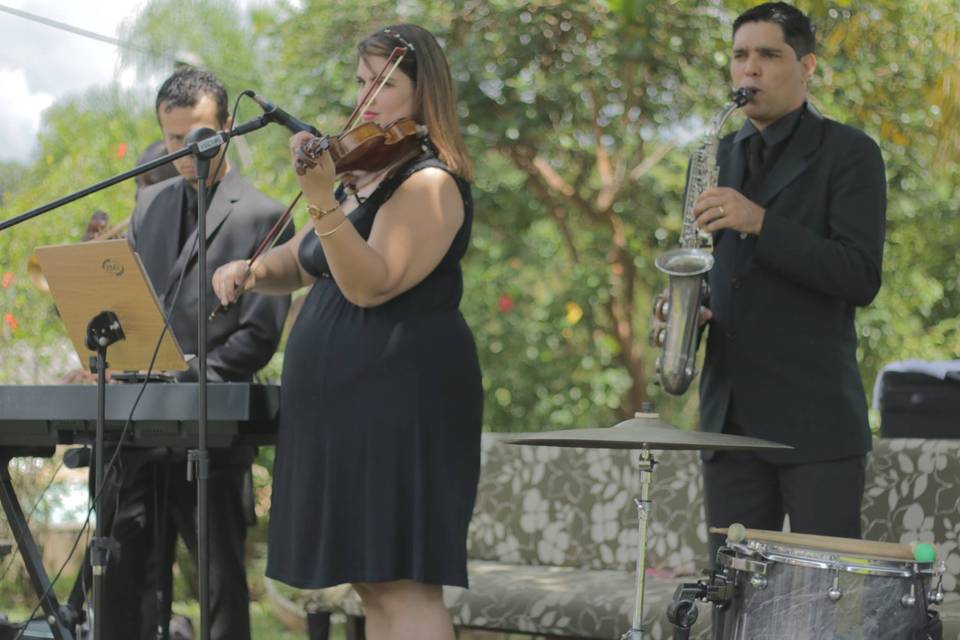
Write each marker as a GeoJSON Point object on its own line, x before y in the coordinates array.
{"type": "Point", "coordinates": [798, 224]}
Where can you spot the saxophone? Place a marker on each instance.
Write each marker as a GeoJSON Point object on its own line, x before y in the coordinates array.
{"type": "Point", "coordinates": [688, 265]}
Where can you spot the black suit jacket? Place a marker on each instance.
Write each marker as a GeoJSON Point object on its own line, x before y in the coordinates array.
{"type": "Point", "coordinates": [242, 340]}
{"type": "Point", "coordinates": [782, 339]}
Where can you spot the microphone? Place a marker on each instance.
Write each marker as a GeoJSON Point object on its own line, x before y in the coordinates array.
{"type": "Point", "coordinates": [208, 141]}
{"type": "Point", "coordinates": [278, 115]}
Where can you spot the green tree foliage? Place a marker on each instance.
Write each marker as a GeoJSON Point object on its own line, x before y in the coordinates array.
{"type": "Point", "coordinates": [209, 33]}
{"type": "Point", "coordinates": [214, 35]}
{"type": "Point", "coordinates": [892, 68]}
{"type": "Point", "coordinates": [569, 111]}
{"type": "Point", "coordinates": [581, 116]}
{"type": "Point", "coordinates": [83, 140]}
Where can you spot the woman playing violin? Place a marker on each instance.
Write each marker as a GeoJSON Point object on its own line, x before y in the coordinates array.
{"type": "Point", "coordinates": [378, 449]}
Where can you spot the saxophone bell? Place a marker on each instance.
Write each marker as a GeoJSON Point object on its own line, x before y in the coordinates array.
{"type": "Point", "coordinates": [686, 268]}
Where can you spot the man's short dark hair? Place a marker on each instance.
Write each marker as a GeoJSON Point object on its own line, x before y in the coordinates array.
{"type": "Point", "coordinates": [187, 86]}
{"type": "Point", "coordinates": [798, 31]}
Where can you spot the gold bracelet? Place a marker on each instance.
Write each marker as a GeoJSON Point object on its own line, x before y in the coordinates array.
{"type": "Point", "coordinates": [316, 212]}
{"type": "Point", "coordinates": [327, 234]}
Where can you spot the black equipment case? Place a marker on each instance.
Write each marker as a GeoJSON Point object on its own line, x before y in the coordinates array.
{"type": "Point", "coordinates": [916, 405]}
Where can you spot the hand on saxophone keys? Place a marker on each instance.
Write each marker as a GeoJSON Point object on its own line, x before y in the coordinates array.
{"type": "Point", "coordinates": [726, 208]}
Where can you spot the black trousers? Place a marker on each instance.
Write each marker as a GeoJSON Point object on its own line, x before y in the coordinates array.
{"type": "Point", "coordinates": [152, 503]}
{"type": "Point", "coordinates": [821, 498]}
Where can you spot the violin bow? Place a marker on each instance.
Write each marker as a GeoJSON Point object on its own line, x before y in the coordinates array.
{"type": "Point", "coordinates": [270, 240]}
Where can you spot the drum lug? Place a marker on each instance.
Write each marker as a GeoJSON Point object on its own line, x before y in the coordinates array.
{"type": "Point", "coordinates": [834, 592]}
{"type": "Point", "coordinates": [936, 597]}
{"type": "Point", "coordinates": [758, 582]}
{"type": "Point", "coordinates": [909, 600]}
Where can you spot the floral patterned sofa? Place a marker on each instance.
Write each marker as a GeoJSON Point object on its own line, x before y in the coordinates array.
{"type": "Point", "coordinates": [553, 540]}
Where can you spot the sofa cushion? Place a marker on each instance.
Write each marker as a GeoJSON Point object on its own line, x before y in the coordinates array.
{"type": "Point", "coordinates": [560, 601]}
{"type": "Point", "coordinates": [913, 495]}
{"type": "Point", "coordinates": [570, 507]}
{"type": "Point", "coordinates": [553, 538]}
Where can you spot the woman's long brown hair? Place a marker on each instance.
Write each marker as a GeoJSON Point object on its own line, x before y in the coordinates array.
{"type": "Point", "coordinates": [435, 97]}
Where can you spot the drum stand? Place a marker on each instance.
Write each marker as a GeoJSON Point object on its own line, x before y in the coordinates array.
{"type": "Point", "coordinates": [644, 507]}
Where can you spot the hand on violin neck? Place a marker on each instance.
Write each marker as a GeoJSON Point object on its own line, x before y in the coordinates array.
{"type": "Point", "coordinates": [315, 173]}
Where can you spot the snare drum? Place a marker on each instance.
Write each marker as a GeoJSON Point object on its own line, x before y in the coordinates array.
{"type": "Point", "coordinates": [803, 587]}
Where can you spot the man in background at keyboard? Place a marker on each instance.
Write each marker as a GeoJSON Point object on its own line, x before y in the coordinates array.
{"type": "Point", "coordinates": [156, 503]}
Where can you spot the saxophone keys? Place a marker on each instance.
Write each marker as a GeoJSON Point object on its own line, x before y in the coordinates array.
{"type": "Point", "coordinates": [657, 337]}
{"type": "Point", "coordinates": [661, 308]}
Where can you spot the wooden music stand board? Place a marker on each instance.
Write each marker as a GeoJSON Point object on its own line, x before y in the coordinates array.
{"type": "Point", "coordinates": [88, 278]}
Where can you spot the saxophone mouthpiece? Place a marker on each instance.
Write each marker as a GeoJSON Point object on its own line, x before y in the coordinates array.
{"type": "Point", "coordinates": [743, 95]}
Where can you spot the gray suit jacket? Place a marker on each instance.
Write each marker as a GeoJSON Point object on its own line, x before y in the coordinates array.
{"type": "Point", "coordinates": [242, 340]}
{"type": "Point", "coordinates": [782, 338]}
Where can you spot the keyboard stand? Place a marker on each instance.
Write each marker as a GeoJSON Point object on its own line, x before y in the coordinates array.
{"type": "Point", "coordinates": [60, 619]}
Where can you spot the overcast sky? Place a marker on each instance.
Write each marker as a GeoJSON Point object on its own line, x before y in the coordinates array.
{"type": "Point", "coordinates": [39, 64]}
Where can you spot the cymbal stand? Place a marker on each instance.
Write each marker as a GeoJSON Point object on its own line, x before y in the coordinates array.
{"type": "Point", "coordinates": [644, 507]}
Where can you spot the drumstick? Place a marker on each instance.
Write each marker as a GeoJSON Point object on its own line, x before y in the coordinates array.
{"type": "Point", "coordinates": [853, 546]}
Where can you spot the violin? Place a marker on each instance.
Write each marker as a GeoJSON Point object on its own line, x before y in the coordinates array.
{"type": "Point", "coordinates": [364, 147]}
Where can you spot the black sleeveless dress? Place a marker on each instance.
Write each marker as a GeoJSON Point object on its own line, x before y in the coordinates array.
{"type": "Point", "coordinates": [378, 450]}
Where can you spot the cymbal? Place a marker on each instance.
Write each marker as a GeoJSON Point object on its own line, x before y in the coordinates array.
{"type": "Point", "coordinates": [645, 431]}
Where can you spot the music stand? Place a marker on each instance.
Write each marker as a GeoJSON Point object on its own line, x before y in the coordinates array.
{"type": "Point", "coordinates": [105, 299]}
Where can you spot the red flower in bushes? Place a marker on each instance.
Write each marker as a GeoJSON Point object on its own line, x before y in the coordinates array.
{"type": "Point", "coordinates": [7, 279]}
{"type": "Point", "coordinates": [11, 321]}
{"type": "Point", "coordinates": [121, 150]}
{"type": "Point", "coordinates": [505, 303]}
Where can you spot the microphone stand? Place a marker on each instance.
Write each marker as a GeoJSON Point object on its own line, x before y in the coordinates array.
{"type": "Point", "coordinates": [103, 330]}
{"type": "Point", "coordinates": [198, 460]}
{"type": "Point", "coordinates": [203, 144]}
